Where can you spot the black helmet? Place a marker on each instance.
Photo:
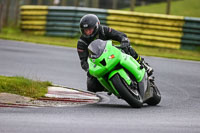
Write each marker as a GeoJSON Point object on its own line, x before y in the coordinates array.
{"type": "Point", "coordinates": [89, 21]}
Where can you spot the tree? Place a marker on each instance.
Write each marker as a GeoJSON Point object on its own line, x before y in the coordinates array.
{"type": "Point", "coordinates": [76, 2]}
{"type": "Point", "coordinates": [95, 3]}
{"type": "Point", "coordinates": [132, 4]}
{"type": "Point", "coordinates": [168, 6]}
{"type": "Point", "coordinates": [114, 6]}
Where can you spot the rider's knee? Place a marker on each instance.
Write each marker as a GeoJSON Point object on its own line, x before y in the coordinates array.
{"type": "Point", "coordinates": [93, 85]}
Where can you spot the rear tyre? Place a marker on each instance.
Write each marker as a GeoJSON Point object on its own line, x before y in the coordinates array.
{"type": "Point", "coordinates": [132, 97]}
{"type": "Point", "coordinates": [156, 96]}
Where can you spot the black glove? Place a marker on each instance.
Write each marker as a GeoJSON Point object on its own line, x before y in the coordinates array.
{"type": "Point", "coordinates": [88, 74]}
{"type": "Point", "coordinates": [125, 44]}
{"type": "Point", "coordinates": [84, 65]}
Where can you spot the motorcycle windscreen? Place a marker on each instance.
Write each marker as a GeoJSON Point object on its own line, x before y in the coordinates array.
{"type": "Point", "coordinates": [96, 48]}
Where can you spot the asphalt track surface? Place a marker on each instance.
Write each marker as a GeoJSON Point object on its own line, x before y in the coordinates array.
{"type": "Point", "coordinates": [178, 81]}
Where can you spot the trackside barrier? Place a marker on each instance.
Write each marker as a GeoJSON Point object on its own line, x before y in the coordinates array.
{"type": "Point", "coordinates": [142, 28]}
{"type": "Point", "coordinates": [56, 20]}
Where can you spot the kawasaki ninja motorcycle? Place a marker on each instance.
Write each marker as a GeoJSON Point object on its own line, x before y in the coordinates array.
{"type": "Point", "coordinates": [121, 75]}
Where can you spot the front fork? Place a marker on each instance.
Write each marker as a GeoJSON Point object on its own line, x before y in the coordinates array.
{"type": "Point", "coordinates": [121, 72]}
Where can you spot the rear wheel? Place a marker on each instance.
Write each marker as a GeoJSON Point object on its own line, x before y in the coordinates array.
{"type": "Point", "coordinates": [131, 96]}
{"type": "Point", "coordinates": [156, 96]}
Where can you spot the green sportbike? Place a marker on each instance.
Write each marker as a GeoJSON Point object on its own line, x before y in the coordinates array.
{"type": "Point", "coordinates": [121, 74]}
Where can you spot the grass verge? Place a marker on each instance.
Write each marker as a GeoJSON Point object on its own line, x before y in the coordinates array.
{"type": "Point", "coordinates": [179, 7]}
{"type": "Point", "coordinates": [11, 34]}
{"type": "Point", "coordinates": [23, 86]}
{"type": "Point", "coordinates": [16, 34]}
{"type": "Point", "coordinates": [169, 53]}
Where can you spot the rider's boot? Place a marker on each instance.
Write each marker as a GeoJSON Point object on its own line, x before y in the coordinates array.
{"type": "Point", "coordinates": [141, 61]}
{"type": "Point", "coordinates": [147, 67]}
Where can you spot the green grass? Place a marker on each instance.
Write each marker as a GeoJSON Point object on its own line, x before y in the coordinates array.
{"type": "Point", "coordinates": [189, 8]}
{"type": "Point", "coordinates": [11, 34]}
{"type": "Point", "coordinates": [169, 53]}
{"type": "Point", "coordinates": [23, 86]}
{"type": "Point", "coordinates": [16, 34]}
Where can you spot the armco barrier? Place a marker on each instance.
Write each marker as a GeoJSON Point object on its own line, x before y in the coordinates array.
{"type": "Point", "coordinates": [148, 29]}
{"type": "Point", "coordinates": [56, 21]}
{"type": "Point", "coordinates": [142, 28]}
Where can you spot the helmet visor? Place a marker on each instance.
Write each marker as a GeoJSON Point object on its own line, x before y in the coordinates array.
{"type": "Point", "coordinates": [88, 31]}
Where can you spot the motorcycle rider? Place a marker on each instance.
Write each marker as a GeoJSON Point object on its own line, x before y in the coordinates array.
{"type": "Point", "coordinates": [91, 29]}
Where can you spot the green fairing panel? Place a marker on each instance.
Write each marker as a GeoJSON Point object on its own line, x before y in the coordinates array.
{"type": "Point", "coordinates": [109, 86]}
{"type": "Point", "coordinates": [122, 74]}
{"type": "Point", "coordinates": [97, 69]}
{"type": "Point", "coordinates": [132, 66]}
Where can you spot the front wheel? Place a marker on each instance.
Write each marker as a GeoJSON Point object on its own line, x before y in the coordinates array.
{"type": "Point", "coordinates": [132, 97]}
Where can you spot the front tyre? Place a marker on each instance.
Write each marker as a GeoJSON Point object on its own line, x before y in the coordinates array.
{"type": "Point", "coordinates": [132, 97]}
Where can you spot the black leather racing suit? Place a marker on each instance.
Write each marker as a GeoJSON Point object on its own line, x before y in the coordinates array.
{"type": "Point", "coordinates": [104, 33]}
